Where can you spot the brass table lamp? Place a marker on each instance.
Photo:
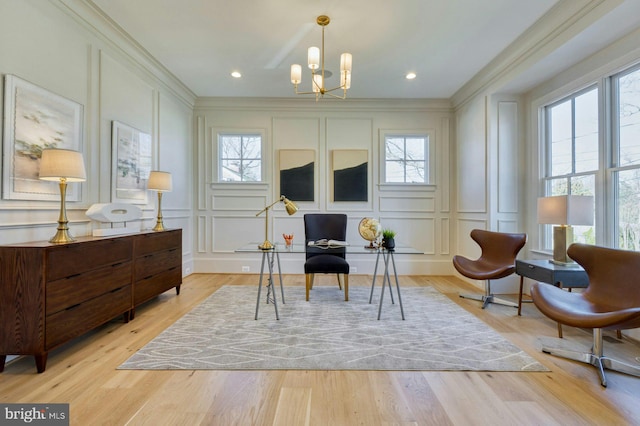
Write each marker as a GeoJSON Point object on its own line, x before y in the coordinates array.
{"type": "Point", "coordinates": [62, 165]}
{"type": "Point", "coordinates": [160, 182]}
{"type": "Point", "coordinates": [291, 209]}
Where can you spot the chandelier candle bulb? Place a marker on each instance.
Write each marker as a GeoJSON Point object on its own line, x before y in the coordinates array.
{"type": "Point", "coordinates": [296, 74]}
{"type": "Point", "coordinates": [345, 62]}
{"type": "Point", "coordinates": [317, 82]}
{"type": "Point", "coordinates": [313, 58]}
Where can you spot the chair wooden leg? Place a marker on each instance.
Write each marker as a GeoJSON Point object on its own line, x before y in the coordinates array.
{"type": "Point", "coordinates": [308, 282]}
{"type": "Point", "coordinates": [346, 287]}
{"type": "Point", "coordinates": [339, 283]}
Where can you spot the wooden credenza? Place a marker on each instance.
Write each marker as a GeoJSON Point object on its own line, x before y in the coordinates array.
{"type": "Point", "coordinates": [52, 293]}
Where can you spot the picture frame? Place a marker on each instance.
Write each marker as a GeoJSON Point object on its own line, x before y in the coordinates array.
{"type": "Point", "coordinates": [131, 163]}
{"type": "Point", "coordinates": [350, 171]}
{"type": "Point", "coordinates": [297, 174]}
{"type": "Point", "coordinates": [36, 119]}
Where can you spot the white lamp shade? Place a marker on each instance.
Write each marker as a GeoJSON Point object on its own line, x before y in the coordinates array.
{"type": "Point", "coordinates": [160, 181]}
{"type": "Point", "coordinates": [566, 210]}
{"type": "Point", "coordinates": [345, 62]}
{"type": "Point", "coordinates": [345, 79]}
{"type": "Point", "coordinates": [317, 83]}
{"type": "Point", "coordinates": [296, 73]}
{"type": "Point", "coordinates": [313, 58]}
{"type": "Point", "coordinates": [56, 164]}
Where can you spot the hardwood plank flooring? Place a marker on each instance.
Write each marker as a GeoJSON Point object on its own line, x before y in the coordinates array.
{"type": "Point", "coordinates": [83, 373]}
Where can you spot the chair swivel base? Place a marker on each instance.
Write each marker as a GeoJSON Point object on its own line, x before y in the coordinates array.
{"type": "Point", "coordinates": [595, 358]}
{"type": "Point", "coordinates": [490, 298]}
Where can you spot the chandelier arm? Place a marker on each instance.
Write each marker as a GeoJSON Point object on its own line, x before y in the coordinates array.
{"type": "Point", "coordinates": [336, 96]}
{"type": "Point", "coordinates": [335, 88]}
{"type": "Point", "coordinates": [304, 93]}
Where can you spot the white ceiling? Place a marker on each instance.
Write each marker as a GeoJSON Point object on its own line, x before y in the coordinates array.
{"type": "Point", "coordinates": [446, 42]}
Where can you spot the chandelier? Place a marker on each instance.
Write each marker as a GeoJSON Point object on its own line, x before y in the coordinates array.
{"type": "Point", "coordinates": [315, 61]}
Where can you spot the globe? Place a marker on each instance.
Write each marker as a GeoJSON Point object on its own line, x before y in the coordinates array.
{"type": "Point", "coordinates": [369, 229]}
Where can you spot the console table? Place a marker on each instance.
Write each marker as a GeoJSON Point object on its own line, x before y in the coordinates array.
{"type": "Point", "coordinates": [52, 293]}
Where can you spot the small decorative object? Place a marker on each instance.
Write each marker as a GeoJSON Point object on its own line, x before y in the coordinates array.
{"type": "Point", "coordinates": [388, 239]}
{"type": "Point", "coordinates": [370, 229]}
{"type": "Point", "coordinates": [114, 213]}
{"type": "Point", "coordinates": [288, 239]}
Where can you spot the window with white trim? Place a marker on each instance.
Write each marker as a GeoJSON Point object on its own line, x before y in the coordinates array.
{"type": "Point", "coordinates": [572, 147]}
{"type": "Point", "coordinates": [585, 157]}
{"type": "Point", "coordinates": [624, 170]}
{"type": "Point", "coordinates": [406, 159]}
{"type": "Point", "coordinates": [239, 157]}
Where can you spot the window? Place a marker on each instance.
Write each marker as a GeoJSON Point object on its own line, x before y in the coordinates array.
{"type": "Point", "coordinates": [625, 158]}
{"type": "Point", "coordinates": [406, 159]}
{"type": "Point", "coordinates": [572, 153]}
{"type": "Point", "coordinates": [572, 164]}
{"type": "Point", "coordinates": [240, 157]}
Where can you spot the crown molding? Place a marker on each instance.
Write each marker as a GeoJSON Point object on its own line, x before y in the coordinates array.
{"type": "Point", "coordinates": [560, 24]}
{"type": "Point", "coordinates": [91, 17]}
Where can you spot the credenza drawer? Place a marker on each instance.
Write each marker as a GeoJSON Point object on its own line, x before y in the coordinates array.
{"type": "Point", "coordinates": [67, 292]}
{"type": "Point", "coordinates": [155, 263]}
{"type": "Point", "coordinates": [159, 241]}
{"type": "Point", "coordinates": [76, 320]}
{"type": "Point", "coordinates": [152, 286]}
{"type": "Point", "coordinates": [71, 259]}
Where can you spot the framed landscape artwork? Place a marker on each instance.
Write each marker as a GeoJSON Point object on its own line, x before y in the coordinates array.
{"type": "Point", "coordinates": [36, 119]}
{"type": "Point", "coordinates": [350, 171]}
{"type": "Point", "coordinates": [297, 168]}
{"type": "Point", "coordinates": [132, 162]}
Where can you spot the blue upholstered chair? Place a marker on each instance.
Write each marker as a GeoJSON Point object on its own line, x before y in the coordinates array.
{"type": "Point", "coordinates": [325, 260]}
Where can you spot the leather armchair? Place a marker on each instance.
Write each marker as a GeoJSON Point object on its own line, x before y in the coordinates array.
{"type": "Point", "coordinates": [610, 302]}
{"type": "Point", "coordinates": [499, 251]}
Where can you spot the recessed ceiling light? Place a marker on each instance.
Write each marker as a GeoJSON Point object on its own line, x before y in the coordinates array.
{"type": "Point", "coordinates": [410, 76]}
{"type": "Point", "coordinates": [236, 74]}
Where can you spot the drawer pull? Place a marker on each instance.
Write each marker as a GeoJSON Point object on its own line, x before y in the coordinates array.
{"type": "Point", "coordinates": [531, 266]}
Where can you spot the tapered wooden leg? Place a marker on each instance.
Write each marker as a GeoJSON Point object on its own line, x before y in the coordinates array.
{"type": "Point", "coordinates": [307, 285]}
{"type": "Point", "coordinates": [346, 287]}
{"type": "Point", "coordinates": [520, 296]}
{"type": "Point", "coordinates": [41, 361]}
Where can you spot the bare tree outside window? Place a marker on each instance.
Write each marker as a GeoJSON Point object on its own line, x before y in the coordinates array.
{"type": "Point", "coordinates": [406, 159]}
{"type": "Point", "coordinates": [627, 172]}
{"type": "Point", "coordinates": [573, 160]}
{"type": "Point", "coordinates": [240, 158]}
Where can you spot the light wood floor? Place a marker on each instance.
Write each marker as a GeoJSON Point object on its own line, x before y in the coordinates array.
{"type": "Point", "coordinates": [83, 373]}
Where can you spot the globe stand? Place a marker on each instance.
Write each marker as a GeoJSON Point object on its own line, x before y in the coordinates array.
{"type": "Point", "coordinates": [371, 246]}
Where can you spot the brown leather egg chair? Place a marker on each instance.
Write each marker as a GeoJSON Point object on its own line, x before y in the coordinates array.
{"type": "Point", "coordinates": [610, 302]}
{"type": "Point", "coordinates": [499, 251]}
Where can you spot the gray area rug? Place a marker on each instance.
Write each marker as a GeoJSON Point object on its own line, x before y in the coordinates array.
{"type": "Point", "coordinates": [328, 333]}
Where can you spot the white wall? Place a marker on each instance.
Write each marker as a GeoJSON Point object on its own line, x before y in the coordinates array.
{"type": "Point", "coordinates": [226, 213]}
{"type": "Point", "coordinates": [489, 174]}
{"type": "Point", "coordinates": [76, 55]}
